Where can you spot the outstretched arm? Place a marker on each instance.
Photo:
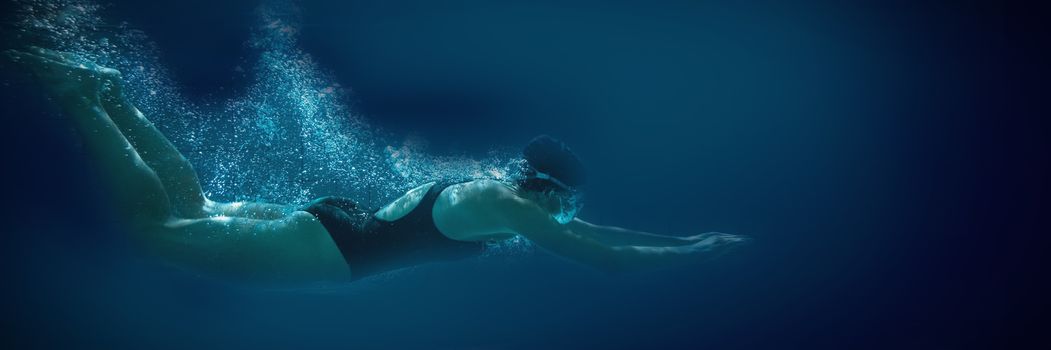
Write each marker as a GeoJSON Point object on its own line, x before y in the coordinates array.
{"type": "Point", "coordinates": [617, 236]}
{"type": "Point", "coordinates": [576, 241]}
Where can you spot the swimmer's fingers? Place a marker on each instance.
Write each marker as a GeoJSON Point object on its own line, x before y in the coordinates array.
{"type": "Point", "coordinates": [712, 242]}
{"type": "Point", "coordinates": [717, 236]}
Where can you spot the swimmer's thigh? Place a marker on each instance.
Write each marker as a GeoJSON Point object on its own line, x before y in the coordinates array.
{"type": "Point", "coordinates": [294, 248]}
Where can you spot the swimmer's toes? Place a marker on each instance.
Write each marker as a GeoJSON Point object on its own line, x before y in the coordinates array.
{"type": "Point", "coordinates": [63, 78]}
{"type": "Point", "coordinates": [20, 57]}
{"type": "Point", "coordinates": [66, 58]}
{"type": "Point", "coordinates": [52, 54]}
{"type": "Point", "coordinates": [38, 66]}
{"type": "Point", "coordinates": [11, 55]}
{"type": "Point", "coordinates": [54, 65]}
{"type": "Point", "coordinates": [76, 61]}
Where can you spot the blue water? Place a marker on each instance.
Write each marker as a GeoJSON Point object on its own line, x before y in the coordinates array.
{"type": "Point", "coordinates": [851, 142]}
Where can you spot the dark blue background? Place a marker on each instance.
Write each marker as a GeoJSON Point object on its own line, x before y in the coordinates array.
{"type": "Point", "coordinates": [885, 157]}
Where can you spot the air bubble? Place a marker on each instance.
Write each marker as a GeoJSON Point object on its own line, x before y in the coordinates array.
{"type": "Point", "coordinates": [260, 145]}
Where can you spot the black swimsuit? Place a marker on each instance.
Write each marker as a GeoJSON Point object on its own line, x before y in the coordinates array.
{"type": "Point", "coordinates": [372, 246]}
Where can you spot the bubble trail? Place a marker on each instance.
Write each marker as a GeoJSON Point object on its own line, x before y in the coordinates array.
{"type": "Point", "coordinates": [288, 138]}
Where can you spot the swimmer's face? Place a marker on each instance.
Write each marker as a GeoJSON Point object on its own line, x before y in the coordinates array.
{"type": "Point", "coordinates": [562, 205]}
{"type": "Point", "coordinates": [548, 201]}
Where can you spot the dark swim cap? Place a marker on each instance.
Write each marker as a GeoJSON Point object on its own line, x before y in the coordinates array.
{"type": "Point", "coordinates": [552, 158]}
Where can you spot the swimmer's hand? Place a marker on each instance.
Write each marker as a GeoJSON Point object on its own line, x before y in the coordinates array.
{"type": "Point", "coordinates": [712, 242]}
{"type": "Point", "coordinates": [705, 247]}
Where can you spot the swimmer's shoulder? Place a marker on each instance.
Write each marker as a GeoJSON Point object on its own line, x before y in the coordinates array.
{"type": "Point", "coordinates": [484, 188]}
{"type": "Point", "coordinates": [476, 193]}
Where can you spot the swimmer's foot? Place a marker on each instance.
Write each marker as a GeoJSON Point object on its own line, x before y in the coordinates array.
{"type": "Point", "coordinates": [67, 76]}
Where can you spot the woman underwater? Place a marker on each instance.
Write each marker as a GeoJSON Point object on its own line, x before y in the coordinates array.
{"type": "Point", "coordinates": [159, 195]}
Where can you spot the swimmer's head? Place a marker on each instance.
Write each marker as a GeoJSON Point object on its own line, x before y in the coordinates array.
{"type": "Point", "coordinates": [551, 176]}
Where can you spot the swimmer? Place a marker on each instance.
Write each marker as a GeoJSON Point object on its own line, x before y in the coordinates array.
{"type": "Point", "coordinates": [157, 193]}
